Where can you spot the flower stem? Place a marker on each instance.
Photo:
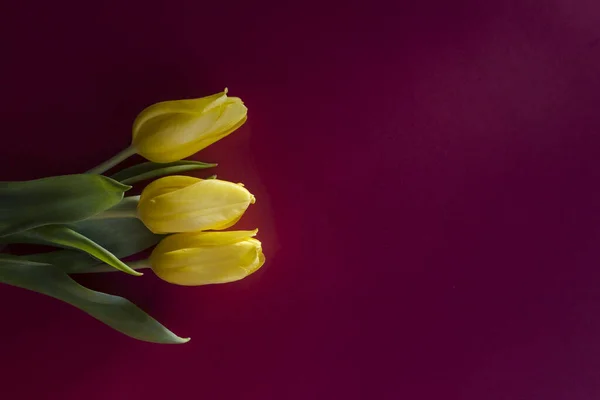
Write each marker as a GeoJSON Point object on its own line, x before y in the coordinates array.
{"type": "Point", "coordinates": [111, 162]}
{"type": "Point", "coordinates": [127, 208]}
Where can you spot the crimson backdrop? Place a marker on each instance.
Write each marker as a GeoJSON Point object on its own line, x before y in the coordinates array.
{"type": "Point", "coordinates": [428, 184]}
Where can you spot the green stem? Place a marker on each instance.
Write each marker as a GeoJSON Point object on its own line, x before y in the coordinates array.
{"type": "Point", "coordinates": [127, 208]}
{"type": "Point", "coordinates": [111, 162]}
{"type": "Point", "coordinates": [139, 264]}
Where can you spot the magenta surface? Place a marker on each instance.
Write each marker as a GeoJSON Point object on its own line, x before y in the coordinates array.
{"type": "Point", "coordinates": [428, 185]}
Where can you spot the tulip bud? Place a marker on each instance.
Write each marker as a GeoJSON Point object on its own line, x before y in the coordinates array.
{"type": "Point", "coordinates": [185, 204]}
{"type": "Point", "coordinates": [172, 130]}
{"type": "Point", "coordinates": [203, 258]}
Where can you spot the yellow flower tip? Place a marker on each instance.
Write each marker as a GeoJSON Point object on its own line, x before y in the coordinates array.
{"type": "Point", "coordinates": [252, 197]}
{"type": "Point", "coordinates": [260, 260]}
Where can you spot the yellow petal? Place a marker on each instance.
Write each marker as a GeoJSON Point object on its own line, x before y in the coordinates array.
{"type": "Point", "coordinates": [170, 131]}
{"type": "Point", "coordinates": [168, 205]}
{"type": "Point", "coordinates": [192, 106]}
{"type": "Point", "coordinates": [208, 264]}
{"type": "Point", "coordinates": [199, 239]}
{"type": "Point", "coordinates": [207, 204]}
{"type": "Point", "coordinates": [167, 185]}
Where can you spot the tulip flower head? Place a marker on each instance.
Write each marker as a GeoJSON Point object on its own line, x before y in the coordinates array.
{"type": "Point", "coordinates": [172, 130]}
{"type": "Point", "coordinates": [203, 258]}
{"type": "Point", "coordinates": [185, 204]}
{"type": "Point", "coordinates": [194, 211]}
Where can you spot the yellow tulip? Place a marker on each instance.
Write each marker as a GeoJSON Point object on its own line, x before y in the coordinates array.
{"type": "Point", "coordinates": [204, 258]}
{"type": "Point", "coordinates": [185, 204]}
{"type": "Point", "coordinates": [173, 130]}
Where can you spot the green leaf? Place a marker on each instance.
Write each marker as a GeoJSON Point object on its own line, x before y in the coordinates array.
{"type": "Point", "coordinates": [121, 236]}
{"type": "Point", "coordinates": [55, 200]}
{"type": "Point", "coordinates": [63, 236]}
{"type": "Point", "coordinates": [149, 170]}
{"type": "Point", "coordinates": [115, 311]}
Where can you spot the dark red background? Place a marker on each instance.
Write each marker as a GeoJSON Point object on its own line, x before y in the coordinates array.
{"type": "Point", "coordinates": [428, 184]}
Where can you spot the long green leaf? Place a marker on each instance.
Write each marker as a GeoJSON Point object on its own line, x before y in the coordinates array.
{"type": "Point", "coordinates": [63, 236]}
{"type": "Point", "coordinates": [115, 311]}
{"type": "Point", "coordinates": [121, 236]}
{"type": "Point", "coordinates": [149, 170]}
{"type": "Point", "coordinates": [55, 200]}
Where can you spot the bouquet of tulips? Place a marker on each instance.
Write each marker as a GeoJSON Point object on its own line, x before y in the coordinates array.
{"type": "Point", "coordinates": [89, 217]}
